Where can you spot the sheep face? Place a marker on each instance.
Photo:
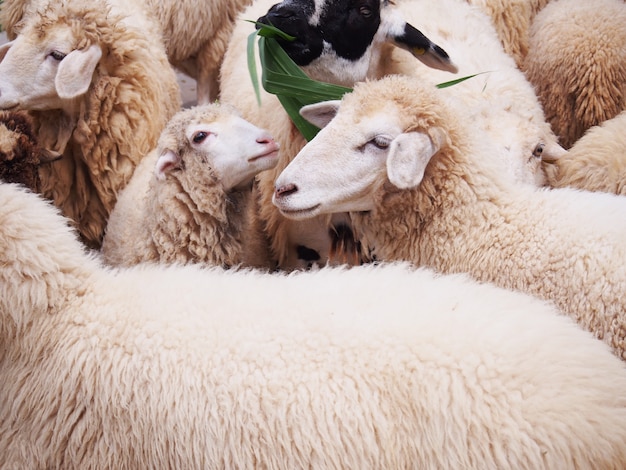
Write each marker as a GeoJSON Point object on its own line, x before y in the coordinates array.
{"type": "Point", "coordinates": [338, 41]}
{"type": "Point", "coordinates": [233, 149]}
{"type": "Point", "coordinates": [326, 177]}
{"type": "Point", "coordinates": [48, 71]}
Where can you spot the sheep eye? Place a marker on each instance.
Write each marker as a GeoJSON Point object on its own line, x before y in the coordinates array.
{"type": "Point", "coordinates": [58, 56]}
{"type": "Point", "coordinates": [199, 137]}
{"type": "Point", "coordinates": [538, 150]}
{"type": "Point", "coordinates": [381, 142]}
{"type": "Point", "coordinates": [365, 11]}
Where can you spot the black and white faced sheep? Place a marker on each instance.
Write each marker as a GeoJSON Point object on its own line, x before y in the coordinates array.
{"type": "Point", "coordinates": [20, 153]}
{"type": "Point", "coordinates": [191, 199]}
{"type": "Point", "coordinates": [188, 368]}
{"type": "Point", "coordinates": [421, 185]}
{"type": "Point", "coordinates": [100, 90]}
{"type": "Point", "coordinates": [503, 102]}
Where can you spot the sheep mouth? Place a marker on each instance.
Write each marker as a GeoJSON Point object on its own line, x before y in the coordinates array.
{"type": "Point", "coordinates": [300, 213]}
{"type": "Point", "coordinates": [269, 154]}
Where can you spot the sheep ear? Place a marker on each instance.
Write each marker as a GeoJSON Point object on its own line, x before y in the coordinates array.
{"type": "Point", "coordinates": [76, 71]}
{"type": "Point", "coordinates": [166, 163]}
{"type": "Point", "coordinates": [423, 49]}
{"type": "Point", "coordinates": [4, 48]}
{"type": "Point", "coordinates": [320, 114]}
{"type": "Point", "coordinates": [408, 157]}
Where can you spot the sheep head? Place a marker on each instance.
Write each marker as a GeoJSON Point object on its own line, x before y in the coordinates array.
{"type": "Point", "coordinates": [214, 139]}
{"type": "Point", "coordinates": [51, 62]}
{"type": "Point", "coordinates": [338, 41]}
{"type": "Point", "coordinates": [369, 139]}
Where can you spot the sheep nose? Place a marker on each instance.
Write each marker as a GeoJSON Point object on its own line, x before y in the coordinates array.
{"type": "Point", "coordinates": [285, 190]}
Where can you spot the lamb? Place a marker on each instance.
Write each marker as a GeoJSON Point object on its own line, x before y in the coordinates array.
{"type": "Point", "coordinates": [20, 153]}
{"type": "Point", "coordinates": [172, 367]}
{"type": "Point", "coordinates": [596, 161]}
{"type": "Point", "coordinates": [190, 200]}
{"type": "Point", "coordinates": [503, 100]}
{"type": "Point", "coordinates": [512, 20]}
{"type": "Point", "coordinates": [420, 186]}
{"type": "Point", "coordinates": [195, 38]}
{"type": "Point", "coordinates": [577, 63]}
{"type": "Point", "coordinates": [88, 78]}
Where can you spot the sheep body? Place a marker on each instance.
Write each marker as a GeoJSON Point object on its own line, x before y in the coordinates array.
{"type": "Point", "coordinates": [503, 101]}
{"type": "Point", "coordinates": [577, 63]}
{"type": "Point", "coordinates": [103, 122]}
{"type": "Point", "coordinates": [201, 207]}
{"type": "Point", "coordinates": [172, 367]}
{"type": "Point", "coordinates": [431, 195]}
{"type": "Point", "coordinates": [596, 161]}
{"type": "Point", "coordinates": [512, 20]}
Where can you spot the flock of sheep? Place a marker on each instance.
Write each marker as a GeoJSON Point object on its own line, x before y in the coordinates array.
{"type": "Point", "coordinates": [436, 280]}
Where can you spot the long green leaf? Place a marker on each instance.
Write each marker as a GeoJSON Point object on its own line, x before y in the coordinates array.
{"type": "Point", "coordinates": [280, 76]}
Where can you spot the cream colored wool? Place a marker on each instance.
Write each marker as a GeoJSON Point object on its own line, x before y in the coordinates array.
{"type": "Point", "coordinates": [503, 101]}
{"type": "Point", "coordinates": [104, 132]}
{"type": "Point", "coordinates": [419, 182]}
{"type": "Point", "coordinates": [512, 20]}
{"type": "Point", "coordinates": [191, 368]}
{"type": "Point", "coordinates": [192, 215]}
{"type": "Point", "coordinates": [577, 63]}
{"type": "Point", "coordinates": [596, 161]}
{"type": "Point", "coordinates": [195, 35]}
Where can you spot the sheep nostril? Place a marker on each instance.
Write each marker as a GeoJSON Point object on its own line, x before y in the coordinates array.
{"type": "Point", "coordinates": [286, 190]}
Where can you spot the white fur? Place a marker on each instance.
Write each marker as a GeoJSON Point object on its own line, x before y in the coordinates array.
{"type": "Point", "coordinates": [502, 100]}
{"type": "Point", "coordinates": [190, 199]}
{"type": "Point", "coordinates": [183, 367]}
{"type": "Point", "coordinates": [435, 196]}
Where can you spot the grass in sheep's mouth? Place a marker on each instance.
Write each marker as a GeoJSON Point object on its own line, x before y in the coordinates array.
{"type": "Point", "coordinates": [281, 76]}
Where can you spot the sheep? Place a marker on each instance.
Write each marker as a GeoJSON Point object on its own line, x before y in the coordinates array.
{"type": "Point", "coordinates": [195, 38]}
{"type": "Point", "coordinates": [596, 161]}
{"type": "Point", "coordinates": [172, 367]}
{"type": "Point", "coordinates": [503, 100]}
{"type": "Point", "coordinates": [420, 186]}
{"type": "Point", "coordinates": [88, 78]}
{"type": "Point", "coordinates": [577, 63]}
{"type": "Point", "coordinates": [20, 153]}
{"type": "Point", "coordinates": [512, 20]}
{"type": "Point", "coordinates": [190, 200]}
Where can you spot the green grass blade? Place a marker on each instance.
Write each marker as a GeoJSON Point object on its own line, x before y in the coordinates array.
{"type": "Point", "coordinates": [252, 66]}
{"type": "Point", "coordinates": [458, 80]}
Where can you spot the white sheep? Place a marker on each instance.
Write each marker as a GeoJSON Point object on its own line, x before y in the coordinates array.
{"type": "Point", "coordinates": [503, 101]}
{"type": "Point", "coordinates": [195, 36]}
{"type": "Point", "coordinates": [100, 90]}
{"type": "Point", "coordinates": [420, 185]}
{"type": "Point", "coordinates": [184, 367]}
{"type": "Point", "coordinates": [577, 63]}
{"type": "Point", "coordinates": [596, 161]}
{"type": "Point", "coordinates": [191, 200]}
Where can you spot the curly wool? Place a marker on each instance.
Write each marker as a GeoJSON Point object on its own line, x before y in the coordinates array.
{"type": "Point", "coordinates": [188, 217]}
{"type": "Point", "coordinates": [20, 153]}
{"type": "Point", "coordinates": [596, 161]}
{"type": "Point", "coordinates": [190, 368]}
{"type": "Point", "coordinates": [119, 118]}
{"type": "Point", "coordinates": [577, 64]}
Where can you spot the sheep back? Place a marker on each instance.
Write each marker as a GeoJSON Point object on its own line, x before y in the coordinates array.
{"type": "Point", "coordinates": [159, 367]}
{"type": "Point", "coordinates": [577, 64]}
